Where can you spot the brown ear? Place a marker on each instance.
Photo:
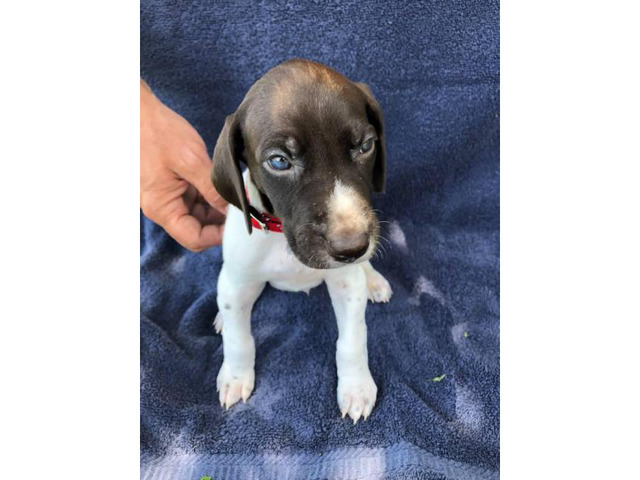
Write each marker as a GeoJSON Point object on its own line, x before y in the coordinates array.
{"type": "Point", "coordinates": [226, 173]}
{"type": "Point", "coordinates": [374, 114]}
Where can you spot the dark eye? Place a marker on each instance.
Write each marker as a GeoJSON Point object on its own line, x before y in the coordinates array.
{"type": "Point", "coordinates": [278, 162]}
{"type": "Point", "coordinates": [366, 146]}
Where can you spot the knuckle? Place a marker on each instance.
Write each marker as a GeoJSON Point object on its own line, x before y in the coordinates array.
{"type": "Point", "coordinates": [188, 159]}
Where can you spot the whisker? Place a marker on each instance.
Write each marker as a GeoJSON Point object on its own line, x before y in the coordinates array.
{"type": "Point", "coordinates": [381, 245]}
{"type": "Point", "coordinates": [388, 241]}
{"type": "Point", "coordinates": [382, 237]}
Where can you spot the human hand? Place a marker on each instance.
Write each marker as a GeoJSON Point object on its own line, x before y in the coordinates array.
{"type": "Point", "coordinates": [176, 191]}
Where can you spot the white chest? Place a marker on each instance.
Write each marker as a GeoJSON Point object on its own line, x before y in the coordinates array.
{"type": "Point", "coordinates": [285, 272]}
{"type": "Point", "coordinates": [264, 257]}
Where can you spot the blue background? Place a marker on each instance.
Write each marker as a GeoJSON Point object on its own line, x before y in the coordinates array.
{"type": "Point", "coordinates": [434, 68]}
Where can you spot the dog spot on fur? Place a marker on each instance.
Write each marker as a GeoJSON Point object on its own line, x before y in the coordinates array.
{"type": "Point", "coordinates": [425, 286]}
{"type": "Point", "coordinates": [227, 306]}
{"type": "Point", "coordinates": [396, 235]}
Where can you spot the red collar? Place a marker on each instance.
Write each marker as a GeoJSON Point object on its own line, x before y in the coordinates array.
{"type": "Point", "coordinates": [263, 221]}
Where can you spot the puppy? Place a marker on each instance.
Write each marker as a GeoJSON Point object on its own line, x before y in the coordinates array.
{"type": "Point", "coordinates": [313, 145]}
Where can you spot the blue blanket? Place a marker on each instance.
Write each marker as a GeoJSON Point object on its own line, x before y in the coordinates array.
{"type": "Point", "coordinates": [434, 349]}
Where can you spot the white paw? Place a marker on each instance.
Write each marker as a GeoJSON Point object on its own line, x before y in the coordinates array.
{"type": "Point", "coordinates": [356, 396]}
{"type": "Point", "coordinates": [379, 288]}
{"type": "Point", "coordinates": [232, 386]}
{"type": "Point", "coordinates": [218, 322]}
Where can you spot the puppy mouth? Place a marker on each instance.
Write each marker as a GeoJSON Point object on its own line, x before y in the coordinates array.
{"type": "Point", "coordinates": [323, 260]}
{"type": "Point", "coordinates": [317, 252]}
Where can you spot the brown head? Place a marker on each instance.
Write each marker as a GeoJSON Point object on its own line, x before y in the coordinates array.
{"type": "Point", "coordinates": [313, 142]}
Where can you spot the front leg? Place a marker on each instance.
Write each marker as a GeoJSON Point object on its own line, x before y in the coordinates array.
{"type": "Point", "coordinates": [235, 300]}
{"type": "Point", "coordinates": [356, 388]}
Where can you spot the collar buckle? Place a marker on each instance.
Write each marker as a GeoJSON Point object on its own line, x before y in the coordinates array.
{"type": "Point", "coordinates": [257, 222]}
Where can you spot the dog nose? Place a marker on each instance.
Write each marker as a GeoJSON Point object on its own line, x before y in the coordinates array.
{"type": "Point", "coordinates": [348, 248]}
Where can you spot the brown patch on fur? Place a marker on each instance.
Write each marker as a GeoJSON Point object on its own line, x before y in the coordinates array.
{"type": "Point", "coordinates": [283, 92]}
{"type": "Point", "coordinates": [324, 75]}
{"type": "Point", "coordinates": [296, 74]}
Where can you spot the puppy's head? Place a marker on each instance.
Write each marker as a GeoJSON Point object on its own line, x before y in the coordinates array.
{"type": "Point", "coordinates": [313, 142]}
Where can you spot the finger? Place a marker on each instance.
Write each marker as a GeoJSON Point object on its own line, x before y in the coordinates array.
{"type": "Point", "coordinates": [199, 211]}
{"type": "Point", "coordinates": [190, 197]}
{"type": "Point", "coordinates": [213, 217]}
{"type": "Point", "coordinates": [207, 215]}
{"type": "Point", "coordinates": [198, 175]}
{"type": "Point", "coordinates": [191, 234]}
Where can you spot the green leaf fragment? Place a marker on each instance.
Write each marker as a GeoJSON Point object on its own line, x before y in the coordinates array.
{"type": "Point", "coordinates": [466, 334]}
{"type": "Point", "coordinates": [439, 379]}
{"type": "Point", "coordinates": [206, 478]}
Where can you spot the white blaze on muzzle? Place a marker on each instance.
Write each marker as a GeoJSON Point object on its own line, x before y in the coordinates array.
{"type": "Point", "coordinates": [348, 211]}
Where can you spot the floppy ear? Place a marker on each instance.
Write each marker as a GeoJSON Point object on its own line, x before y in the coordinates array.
{"type": "Point", "coordinates": [226, 174]}
{"type": "Point", "coordinates": [374, 114]}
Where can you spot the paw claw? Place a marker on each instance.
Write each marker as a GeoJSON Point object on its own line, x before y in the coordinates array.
{"type": "Point", "coordinates": [379, 288]}
{"type": "Point", "coordinates": [246, 393]}
{"type": "Point", "coordinates": [346, 404]}
{"type": "Point", "coordinates": [355, 412]}
{"type": "Point", "coordinates": [233, 387]}
{"type": "Point", "coordinates": [367, 410]}
{"type": "Point", "coordinates": [357, 396]}
{"type": "Point", "coordinates": [218, 323]}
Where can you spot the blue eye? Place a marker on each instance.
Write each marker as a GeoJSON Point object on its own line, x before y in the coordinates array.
{"type": "Point", "coordinates": [366, 146]}
{"type": "Point", "coordinates": [278, 162]}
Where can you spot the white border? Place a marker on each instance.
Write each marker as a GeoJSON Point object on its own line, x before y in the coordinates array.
{"type": "Point", "coordinates": [569, 240]}
{"type": "Point", "coordinates": [570, 262]}
{"type": "Point", "coordinates": [69, 344]}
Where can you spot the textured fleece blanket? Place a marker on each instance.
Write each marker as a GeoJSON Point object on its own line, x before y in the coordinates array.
{"type": "Point", "coordinates": [434, 349]}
